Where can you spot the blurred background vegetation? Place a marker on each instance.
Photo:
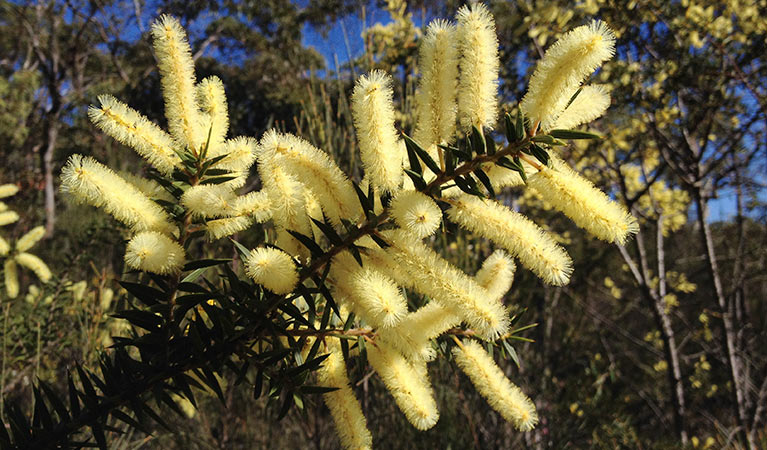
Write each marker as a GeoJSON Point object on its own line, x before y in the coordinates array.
{"type": "Point", "coordinates": [658, 344]}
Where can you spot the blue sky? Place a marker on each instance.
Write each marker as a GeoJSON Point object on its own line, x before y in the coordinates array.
{"type": "Point", "coordinates": [334, 45]}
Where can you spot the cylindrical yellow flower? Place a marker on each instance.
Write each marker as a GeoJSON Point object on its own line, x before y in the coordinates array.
{"type": "Point", "coordinates": [496, 274]}
{"type": "Point", "coordinates": [413, 334]}
{"type": "Point", "coordinates": [287, 197]}
{"type": "Point", "coordinates": [348, 419]}
{"type": "Point", "coordinates": [255, 204]}
{"type": "Point", "coordinates": [8, 217]}
{"type": "Point", "coordinates": [320, 174]}
{"type": "Point", "coordinates": [586, 205]}
{"type": "Point", "coordinates": [5, 247]}
{"type": "Point", "coordinates": [11, 278]}
{"type": "Point", "coordinates": [416, 212]}
{"type": "Point", "coordinates": [563, 68]}
{"type": "Point", "coordinates": [373, 113]}
{"type": "Point", "coordinates": [435, 100]}
{"type": "Point", "coordinates": [273, 269]}
{"type": "Point", "coordinates": [522, 238]}
{"type": "Point", "coordinates": [174, 59]}
{"type": "Point", "coordinates": [240, 154]}
{"type": "Point", "coordinates": [105, 299]}
{"type": "Point", "coordinates": [131, 128]}
{"type": "Point", "coordinates": [148, 187]}
{"type": "Point", "coordinates": [34, 264]}
{"type": "Point", "coordinates": [7, 190]}
{"type": "Point", "coordinates": [209, 200]}
{"type": "Point", "coordinates": [367, 291]}
{"type": "Point", "coordinates": [590, 104]}
{"type": "Point", "coordinates": [408, 382]}
{"type": "Point", "coordinates": [379, 301]}
{"type": "Point", "coordinates": [314, 211]}
{"type": "Point", "coordinates": [478, 82]}
{"type": "Point", "coordinates": [227, 226]}
{"type": "Point", "coordinates": [286, 192]}
{"type": "Point", "coordinates": [384, 262]}
{"type": "Point", "coordinates": [154, 252]}
{"type": "Point", "coordinates": [436, 278]}
{"type": "Point", "coordinates": [490, 381]}
{"type": "Point", "coordinates": [212, 100]}
{"type": "Point", "coordinates": [93, 183]}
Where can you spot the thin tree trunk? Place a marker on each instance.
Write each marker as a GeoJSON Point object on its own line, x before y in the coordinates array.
{"type": "Point", "coordinates": [729, 338]}
{"type": "Point", "coordinates": [761, 407]}
{"type": "Point", "coordinates": [663, 321]}
{"type": "Point", "coordinates": [669, 341]}
{"type": "Point", "coordinates": [50, 198]}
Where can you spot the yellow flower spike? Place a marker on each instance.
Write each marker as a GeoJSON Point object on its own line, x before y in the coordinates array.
{"type": "Point", "coordinates": [150, 188]}
{"type": "Point", "coordinates": [105, 299]}
{"type": "Point", "coordinates": [78, 290]}
{"type": "Point", "coordinates": [95, 184]}
{"type": "Point", "coordinates": [185, 405]}
{"type": "Point", "coordinates": [501, 177]}
{"type": "Point", "coordinates": [220, 228]}
{"type": "Point", "coordinates": [3, 207]}
{"type": "Point", "coordinates": [255, 204]}
{"type": "Point", "coordinates": [5, 247]}
{"type": "Point", "coordinates": [586, 205]}
{"type": "Point", "coordinates": [435, 99]}
{"type": "Point", "coordinates": [209, 200]}
{"type": "Point", "coordinates": [8, 217]}
{"type": "Point", "coordinates": [522, 238]}
{"type": "Point", "coordinates": [407, 381]}
{"type": "Point", "coordinates": [212, 101]}
{"type": "Point", "coordinates": [286, 193]}
{"type": "Point", "coordinates": [131, 128]}
{"type": "Point", "coordinates": [416, 212]}
{"type": "Point", "coordinates": [314, 211]}
{"type": "Point", "coordinates": [496, 274]}
{"type": "Point", "coordinates": [11, 278]}
{"type": "Point", "coordinates": [243, 211]}
{"type": "Point", "coordinates": [590, 104]}
{"type": "Point", "coordinates": [33, 294]}
{"type": "Point", "coordinates": [345, 410]}
{"type": "Point", "coordinates": [478, 82]}
{"type": "Point", "coordinates": [379, 300]}
{"type": "Point", "coordinates": [240, 154]}
{"type": "Point", "coordinates": [436, 278]}
{"type": "Point", "coordinates": [414, 332]}
{"type": "Point", "coordinates": [384, 262]}
{"type": "Point", "coordinates": [7, 190]}
{"type": "Point", "coordinates": [563, 68]}
{"type": "Point", "coordinates": [174, 59]}
{"type": "Point", "coordinates": [502, 395]}
{"type": "Point", "coordinates": [367, 291]}
{"type": "Point", "coordinates": [373, 113]}
{"type": "Point", "coordinates": [34, 264]}
{"type": "Point", "coordinates": [273, 269]}
{"type": "Point", "coordinates": [154, 252]}
{"type": "Point", "coordinates": [317, 170]}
